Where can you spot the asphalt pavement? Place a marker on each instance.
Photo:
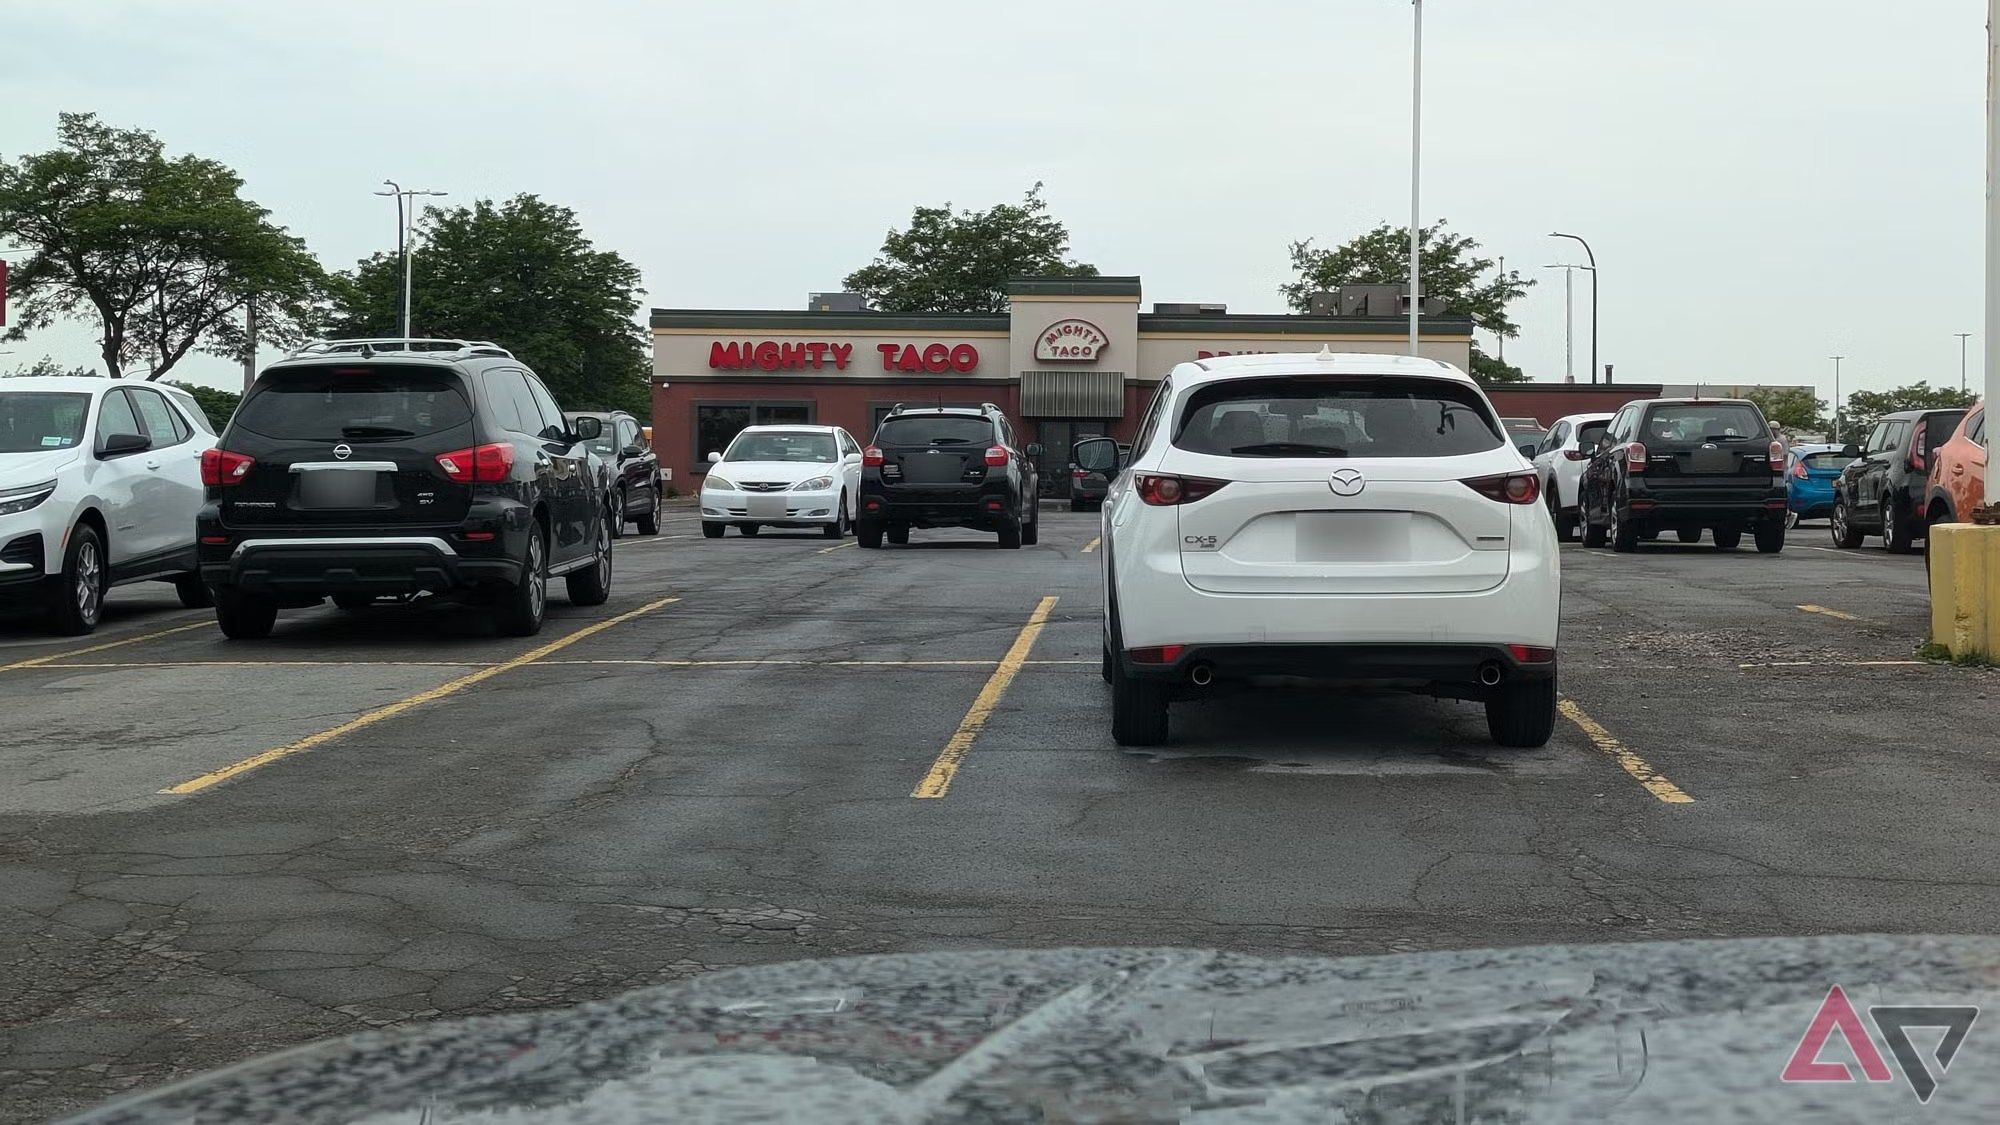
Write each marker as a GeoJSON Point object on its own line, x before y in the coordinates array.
{"type": "Point", "coordinates": [785, 747]}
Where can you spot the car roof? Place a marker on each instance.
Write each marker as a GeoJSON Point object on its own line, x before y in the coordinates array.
{"type": "Point", "coordinates": [89, 384]}
{"type": "Point", "coordinates": [967, 411]}
{"type": "Point", "coordinates": [1582, 419]}
{"type": "Point", "coordinates": [1697, 401]}
{"type": "Point", "coordinates": [598, 413]}
{"type": "Point", "coordinates": [1221, 368]}
{"type": "Point", "coordinates": [796, 427]}
{"type": "Point", "coordinates": [1905, 415]}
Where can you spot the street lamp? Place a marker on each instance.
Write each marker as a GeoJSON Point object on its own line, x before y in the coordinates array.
{"type": "Point", "coordinates": [1593, 301]}
{"type": "Point", "coordinates": [1416, 172]}
{"type": "Point", "coordinates": [1569, 315]}
{"type": "Point", "coordinates": [403, 225]}
{"type": "Point", "coordinates": [1962, 338]}
{"type": "Point", "coordinates": [1838, 413]}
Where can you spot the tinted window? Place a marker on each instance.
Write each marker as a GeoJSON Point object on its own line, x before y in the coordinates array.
{"type": "Point", "coordinates": [765, 445]}
{"type": "Point", "coordinates": [382, 402]}
{"type": "Point", "coordinates": [1938, 429]}
{"type": "Point", "coordinates": [545, 403]}
{"type": "Point", "coordinates": [628, 433]}
{"type": "Point", "coordinates": [509, 404]}
{"type": "Point", "coordinates": [1153, 415]}
{"type": "Point", "coordinates": [1590, 433]}
{"type": "Point", "coordinates": [192, 408]}
{"type": "Point", "coordinates": [161, 423]}
{"type": "Point", "coordinates": [116, 417]}
{"type": "Point", "coordinates": [35, 420]}
{"type": "Point", "coordinates": [1621, 425]}
{"type": "Point", "coordinates": [935, 429]}
{"type": "Point", "coordinates": [1310, 416]}
{"type": "Point", "coordinates": [1877, 438]}
{"type": "Point", "coordinates": [1977, 430]}
{"type": "Point", "coordinates": [1895, 435]}
{"type": "Point", "coordinates": [1700, 422]}
{"type": "Point", "coordinates": [1831, 460]}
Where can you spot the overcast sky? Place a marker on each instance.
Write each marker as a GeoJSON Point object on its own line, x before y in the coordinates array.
{"type": "Point", "coordinates": [1766, 182]}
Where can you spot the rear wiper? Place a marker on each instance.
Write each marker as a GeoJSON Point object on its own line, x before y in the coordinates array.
{"type": "Point", "coordinates": [1725, 437]}
{"type": "Point", "coordinates": [948, 441]}
{"type": "Point", "coordinates": [375, 431]}
{"type": "Point", "coordinates": [1280, 448]}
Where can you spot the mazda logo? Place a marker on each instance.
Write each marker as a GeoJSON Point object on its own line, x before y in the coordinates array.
{"type": "Point", "coordinates": [342, 451]}
{"type": "Point", "coordinates": [1347, 482]}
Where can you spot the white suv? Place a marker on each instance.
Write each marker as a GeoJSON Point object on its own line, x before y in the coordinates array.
{"type": "Point", "coordinates": [100, 481]}
{"type": "Point", "coordinates": [1560, 460]}
{"type": "Point", "coordinates": [1335, 517]}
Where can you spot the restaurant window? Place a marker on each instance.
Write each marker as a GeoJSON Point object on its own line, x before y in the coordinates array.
{"type": "Point", "coordinates": [716, 424]}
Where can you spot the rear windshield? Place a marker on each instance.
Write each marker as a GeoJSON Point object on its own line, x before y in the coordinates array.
{"type": "Point", "coordinates": [31, 421]}
{"type": "Point", "coordinates": [1590, 433]}
{"type": "Point", "coordinates": [935, 429]}
{"type": "Point", "coordinates": [1309, 416]}
{"type": "Point", "coordinates": [381, 402]}
{"type": "Point", "coordinates": [1938, 427]}
{"type": "Point", "coordinates": [1828, 460]}
{"type": "Point", "coordinates": [1700, 422]}
{"type": "Point", "coordinates": [817, 448]}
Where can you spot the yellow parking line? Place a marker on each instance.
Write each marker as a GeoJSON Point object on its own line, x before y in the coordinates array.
{"type": "Point", "coordinates": [450, 687]}
{"type": "Point", "coordinates": [55, 656]}
{"type": "Point", "coordinates": [1825, 612]}
{"type": "Point", "coordinates": [86, 665]}
{"type": "Point", "coordinates": [273, 664]}
{"type": "Point", "coordinates": [938, 780]}
{"type": "Point", "coordinates": [1631, 763]}
{"type": "Point", "coordinates": [838, 546]}
{"type": "Point", "coordinates": [1092, 545]}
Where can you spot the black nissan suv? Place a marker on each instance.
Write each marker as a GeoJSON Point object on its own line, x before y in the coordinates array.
{"type": "Point", "coordinates": [1685, 465]}
{"type": "Point", "coordinates": [397, 469]}
{"type": "Point", "coordinates": [948, 467]}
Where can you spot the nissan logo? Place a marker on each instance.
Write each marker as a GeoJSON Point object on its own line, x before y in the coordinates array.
{"type": "Point", "coordinates": [1347, 482]}
{"type": "Point", "coordinates": [342, 451]}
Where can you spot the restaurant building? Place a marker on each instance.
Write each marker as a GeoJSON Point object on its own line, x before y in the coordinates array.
{"type": "Point", "coordinates": [1071, 357]}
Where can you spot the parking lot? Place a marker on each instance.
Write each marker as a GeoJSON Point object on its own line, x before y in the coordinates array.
{"type": "Point", "coordinates": [780, 748]}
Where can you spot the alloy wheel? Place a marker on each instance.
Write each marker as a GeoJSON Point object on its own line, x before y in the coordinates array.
{"type": "Point", "coordinates": [604, 556]}
{"type": "Point", "coordinates": [89, 581]}
{"type": "Point", "coordinates": [538, 578]}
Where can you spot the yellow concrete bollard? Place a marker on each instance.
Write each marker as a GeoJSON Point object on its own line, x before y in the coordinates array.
{"type": "Point", "coordinates": [1965, 589]}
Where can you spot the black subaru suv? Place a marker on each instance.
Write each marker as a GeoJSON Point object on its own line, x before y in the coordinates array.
{"type": "Point", "coordinates": [1686, 464]}
{"type": "Point", "coordinates": [1881, 491]}
{"type": "Point", "coordinates": [390, 470]}
{"type": "Point", "coordinates": [948, 467]}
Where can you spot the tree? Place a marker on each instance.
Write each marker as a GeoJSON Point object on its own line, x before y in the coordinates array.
{"type": "Point", "coordinates": [1453, 273]}
{"type": "Point", "coordinates": [522, 274]}
{"type": "Point", "coordinates": [164, 253]}
{"type": "Point", "coordinates": [216, 403]}
{"type": "Point", "coordinates": [960, 262]}
{"type": "Point", "coordinates": [1865, 408]}
{"type": "Point", "coordinates": [1794, 408]}
{"type": "Point", "coordinates": [45, 366]}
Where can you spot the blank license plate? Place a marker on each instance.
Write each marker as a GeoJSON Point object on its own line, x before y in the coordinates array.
{"type": "Point", "coordinates": [1353, 536]}
{"type": "Point", "coordinates": [337, 489]}
{"type": "Point", "coordinates": [769, 507]}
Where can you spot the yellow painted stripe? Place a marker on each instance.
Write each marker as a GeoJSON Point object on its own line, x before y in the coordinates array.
{"type": "Point", "coordinates": [1091, 546]}
{"type": "Point", "coordinates": [1631, 763]}
{"type": "Point", "coordinates": [938, 780]}
{"type": "Point", "coordinates": [390, 711]}
{"type": "Point", "coordinates": [1825, 612]}
{"type": "Point", "coordinates": [838, 546]}
{"type": "Point", "coordinates": [275, 664]}
{"type": "Point", "coordinates": [55, 656]}
{"type": "Point", "coordinates": [86, 665]}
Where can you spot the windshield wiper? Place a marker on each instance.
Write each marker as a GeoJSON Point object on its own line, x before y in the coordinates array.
{"type": "Point", "coordinates": [948, 441]}
{"type": "Point", "coordinates": [1282, 448]}
{"type": "Point", "coordinates": [375, 431]}
{"type": "Point", "coordinates": [1725, 437]}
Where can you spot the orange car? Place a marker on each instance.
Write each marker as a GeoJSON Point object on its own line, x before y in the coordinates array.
{"type": "Point", "coordinates": [1958, 471]}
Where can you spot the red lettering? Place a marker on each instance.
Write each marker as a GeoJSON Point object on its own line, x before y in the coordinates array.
{"type": "Point", "coordinates": [818, 351]}
{"type": "Point", "coordinates": [937, 359]}
{"type": "Point", "coordinates": [1206, 355]}
{"type": "Point", "coordinates": [840, 354]}
{"type": "Point", "coordinates": [729, 357]}
{"type": "Point", "coordinates": [791, 357]}
{"type": "Point", "coordinates": [888, 356]}
{"type": "Point", "coordinates": [964, 357]}
{"type": "Point", "coordinates": [767, 356]}
{"type": "Point", "coordinates": [909, 360]}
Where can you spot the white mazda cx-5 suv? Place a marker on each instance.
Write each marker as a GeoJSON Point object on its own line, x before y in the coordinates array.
{"type": "Point", "coordinates": [1333, 517]}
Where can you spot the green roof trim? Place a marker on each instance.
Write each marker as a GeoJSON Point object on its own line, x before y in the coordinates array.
{"type": "Point", "coordinates": [1119, 286]}
{"type": "Point", "coordinates": [833, 322]}
{"type": "Point", "coordinates": [1257, 325]}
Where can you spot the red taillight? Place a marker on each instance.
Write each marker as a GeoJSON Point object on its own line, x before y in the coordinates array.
{"type": "Point", "coordinates": [478, 536]}
{"type": "Point", "coordinates": [1777, 456]}
{"type": "Point", "coordinates": [871, 457]}
{"type": "Point", "coordinates": [1166, 491]}
{"type": "Point", "coordinates": [1799, 470]}
{"type": "Point", "coordinates": [1530, 654]}
{"type": "Point", "coordinates": [215, 540]}
{"type": "Point", "coordinates": [1917, 446]}
{"type": "Point", "coordinates": [221, 467]}
{"type": "Point", "coordinates": [997, 455]}
{"type": "Point", "coordinates": [485, 464]}
{"type": "Point", "coordinates": [1159, 654]}
{"type": "Point", "coordinates": [1635, 457]}
{"type": "Point", "coordinates": [1576, 455]}
{"type": "Point", "coordinates": [1508, 488]}
{"type": "Point", "coordinates": [1078, 474]}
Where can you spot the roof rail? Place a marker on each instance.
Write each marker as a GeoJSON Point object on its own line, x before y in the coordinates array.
{"type": "Point", "coordinates": [428, 347]}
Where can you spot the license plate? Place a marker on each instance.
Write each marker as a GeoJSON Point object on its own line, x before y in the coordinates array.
{"type": "Point", "coordinates": [768, 507]}
{"type": "Point", "coordinates": [348, 488]}
{"type": "Point", "coordinates": [1347, 537]}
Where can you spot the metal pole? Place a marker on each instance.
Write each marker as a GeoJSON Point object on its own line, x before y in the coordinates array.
{"type": "Point", "coordinates": [1502, 337]}
{"type": "Point", "coordinates": [1962, 338]}
{"type": "Point", "coordinates": [250, 344]}
{"type": "Point", "coordinates": [1593, 300]}
{"type": "Point", "coordinates": [1992, 354]}
{"type": "Point", "coordinates": [401, 242]}
{"type": "Point", "coordinates": [1569, 326]}
{"type": "Point", "coordinates": [396, 189]}
{"type": "Point", "coordinates": [1416, 172]}
{"type": "Point", "coordinates": [1839, 414]}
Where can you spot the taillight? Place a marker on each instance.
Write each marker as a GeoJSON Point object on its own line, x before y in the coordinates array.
{"type": "Point", "coordinates": [997, 455]}
{"type": "Point", "coordinates": [484, 464]}
{"type": "Point", "coordinates": [222, 467]}
{"type": "Point", "coordinates": [1531, 654]}
{"type": "Point", "coordinates": [1917, 447]}
{"type": "Point", "coordinates": [1777, 456]}
{"type": "Point", "coordinates": [1165, 491]}
{"type": "Point", "coordinates": [871, 457]}
{"type": "Point", "coordinates": [1156, 654]}
{"type": "Point", "coordinates": [1576, 455]}
{"type": "Point", "coordinates": [1508, 488]}
{"type": "Point", "coordinates": [1078, 474]}
{"type": "Point", "coordinates": [1635, 457]}
{"type": "Point", "coordinates": [1799, 470]}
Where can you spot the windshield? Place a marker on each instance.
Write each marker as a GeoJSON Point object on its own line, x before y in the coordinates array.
{"type": "Point", "coordinates": [781, 446]}
{"type": "Point", "coordinates": [33, 421]}
{"type": "Point", "coordinates": [383, 402]}
{"type": "Point", "coordinates": [935, 429]}
{"type": "Point", "coordinates": [1337, 417]}
{"type": "Point", "coordinates": [1590, 433]}
{"type": "Point", "coordinates": [1703, 422]}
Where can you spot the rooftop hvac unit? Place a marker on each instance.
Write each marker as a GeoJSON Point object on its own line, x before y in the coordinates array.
{"type": "Point", "coordinates": [1188, 308]}
{"type": "Point", "coordinates": [837, 302]}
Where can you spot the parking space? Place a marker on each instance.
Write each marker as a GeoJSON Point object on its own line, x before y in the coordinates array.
{"type": "Point", "coordinates": [782, 747]}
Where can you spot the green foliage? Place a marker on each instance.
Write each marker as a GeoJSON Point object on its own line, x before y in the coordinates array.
{"type": "Point", "coordinates": [1794, 408]}
{"type": "Point", "coordinates": [522, 274]}
{"type": "Point", "coordinates": [960, 262]}
{"type": "Point", "coordinates": [218, 404]}
{"type": "Point", "coordinates": [1453, 272]}
{"type": "Point", "coordinates": [46, 366]}
{"type": "Point", "coordinates": [1865, 408]}
{"type": "Point", "coordinates": [1487, 369]}
{"type": "Point", "coordinates": [163, 253]}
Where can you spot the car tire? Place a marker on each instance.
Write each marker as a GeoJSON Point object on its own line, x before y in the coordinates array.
{"type": "Point", "coordinates": [712, 529]}
{"type": "Point", "coordinates": [1845, 534]}
{"type": "Point", "coordinates": [353, 602]}
{"type": "Point", "coordinates": [868, 535]}
{"type": "Point", "coordinates": [76, 600]}
{"type": "Point", "coordinates": [522, 605]}
{"type": "Point", "coordinates": [1138, 710]}
{"type": "Point", "coordinates": [1770, 537]}
{"type": "Point", "coordinates": [1623, 533]}
{"type": "Point", "coordinates": [1031, 534]}
{"type": "Point", "coordinates": [1522, 714]}
{"type": "Point", "coordinates": [750, 529]}
{"type": "Point", "coordinates": [1010, 536]}
{"type": "Point", "coordinates": [592, 584]}
{"type": "Point", "coordinates": [649, 522]}
{"type": "Point", "coordinates": [194, 593]}
{"type": "Point", "coordinates": [1727, 538]}
{"type": "Point", "coordinates": [1791, 519]}
{"type": "Point", "coordinates": [899, 535]}
{"type": "Point", "coordinates": [245, 617]}
{"type": "Point", "coordinates": [1105, 667]}
{"type": "Point", "coordinates": [1897, 534]}
{"type": "Point", "coordinates": [1565, 524]}
{"type": "Point", "coordinates": [838, 528]}
{"type": "Point", "coordinates": [1688, 534]}
{"type": "Point", "coordinates": [1593, 534]}
{"type": "Point", "coordinates": [615, 514]}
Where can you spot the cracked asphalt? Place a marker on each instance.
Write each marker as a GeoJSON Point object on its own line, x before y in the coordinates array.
{"type": "Point", "coordinates": [726, 780]}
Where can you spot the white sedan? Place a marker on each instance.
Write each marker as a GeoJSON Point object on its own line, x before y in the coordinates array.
{"type": "Point", "coordinates": [1332, 517]}
{"type": "Point", "coordinates": [783, 476]}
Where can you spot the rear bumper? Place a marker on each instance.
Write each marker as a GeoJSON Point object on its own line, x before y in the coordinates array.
{"type": "Point", "coordinates": [1647, 502]}
{"type": "Point", "coordinates": [1458, 665]}
{"type": "Point", "coordinates": [989, 505]}
{"type": "Point", "coordinates": [353, 564]}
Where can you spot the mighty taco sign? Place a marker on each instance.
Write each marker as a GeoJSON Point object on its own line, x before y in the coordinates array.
{"type": "Point", "coordinates": [1071, 341]}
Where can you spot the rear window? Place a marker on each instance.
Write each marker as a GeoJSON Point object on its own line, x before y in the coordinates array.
{"type": "Point", "coordinates": [381, 402]}
{"type": "Point", "coordinates": [1590, 433]}
{"type": "Point", "coordinates": [935, 429]}
{"type": "Point", "coordinates": [1337, 417]}
{"type": "Point", "coordinates": [1830, 460]}
{"type": "Point", "coordinates": [1700, 422]}
{"type": "Point", "coordinates": [1938, 428]}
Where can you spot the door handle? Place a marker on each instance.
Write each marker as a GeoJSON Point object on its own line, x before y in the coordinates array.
{"type": "Point", "coordinates": [1958, 470]}
{"type": "Point", "coordinates": [152, 464]}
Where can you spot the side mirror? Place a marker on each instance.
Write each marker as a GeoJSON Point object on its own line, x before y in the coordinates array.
{"type": "Point", "coordinates": [1098, 455]}
{"type": "Point", "coordinates": [1036, 449]}
{"type": "Point", "coordinates": [851, 459]}
{"type": "Point", "coordinates": [587, 428]}
{"type": "Point", "coordinates": [715, 458]}
{"type": "Point", "coordinates": [1850, 450]}
{"type": "Point", "coordinates": [117, 445]}
{"type": "Point", "coordinates": [629, 452]}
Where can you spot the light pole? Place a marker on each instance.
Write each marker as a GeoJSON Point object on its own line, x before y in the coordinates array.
{"type": "Point", "coordinates": [1501, 337]}
{"type": "Point", "coordinates": [403, 224]}
{"type": "Point", "coordinates": [1837, 411]}
{"type": "Point", "coordinates": [1962, 338]}
{"type": "Point", "coordinates": [1593, 300]}
{"type": "Point", "coordinates": [1569, 316]}
{"type": "Point", "coordinates": [1416, 171]}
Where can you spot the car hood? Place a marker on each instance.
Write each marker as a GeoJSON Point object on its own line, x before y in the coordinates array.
{"type": "Point", "coordinates": [781, 472]}
{"type": "Point", "coordinates": [1677, 1031]}
{"type": "Point", "coordinates": [36, 466]}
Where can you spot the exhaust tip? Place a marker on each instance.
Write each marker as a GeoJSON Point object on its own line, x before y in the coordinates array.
{"type": "Point", "coordinates": [1201, 675]}
{"type": "Point", "coordinates": [1489, 673]}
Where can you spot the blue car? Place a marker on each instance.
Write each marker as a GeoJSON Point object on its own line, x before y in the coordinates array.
{"type": "Point", "coordinates": [1810, 471]}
